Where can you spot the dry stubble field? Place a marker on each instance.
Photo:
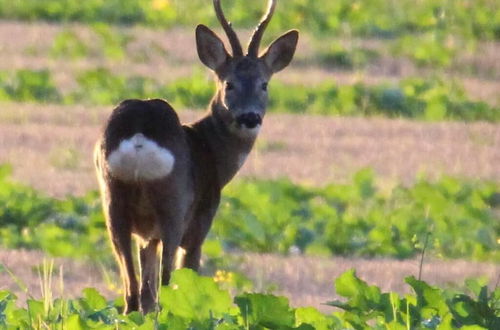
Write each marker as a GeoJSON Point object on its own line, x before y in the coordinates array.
{"type": "Point", "coordinates": [50, 147]}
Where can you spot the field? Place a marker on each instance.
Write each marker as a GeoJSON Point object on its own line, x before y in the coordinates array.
{"type": "Point", "coordinates": [380, 153]}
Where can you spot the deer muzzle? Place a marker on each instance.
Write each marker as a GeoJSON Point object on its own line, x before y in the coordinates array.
{"type": "Point", "coordinates": [249, 120]}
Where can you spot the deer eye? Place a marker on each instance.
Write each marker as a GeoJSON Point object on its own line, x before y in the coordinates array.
{"type": "Point", "coordinates": [264, 86]}
{"type": "Point", "coordinates": [229, 86]}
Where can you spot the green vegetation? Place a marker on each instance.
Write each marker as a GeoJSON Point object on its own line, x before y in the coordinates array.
{"type": "Point", "coordinates": [28, 219]}
{"type": "Point", "coordinates": [429, 49]}
{"type": "Point", "coordinates": [195, 302]}
{"type": "Point", "coordinates": [356, 219]}
{"type": "Point", "coordinates": [436, 49]}
{"type": "Point", "coordinates": [429, 100]}
{"type": "Point", "coordinates": [477, 19]}
{"type": "Point", "coordinates": [102, 87]}
{"type": "Point", "coordinates": [107, 43]}
{"type": "Point", "coordinates": [28, 86]}
{"type": "Point", "coordinates": [434, 35]}
{"type": "Point", "coordinates": [429, 308]}
{"type": "Point", "coordinates": [335, 54]}
{"type": "Point", "coordinates": [67, 44]}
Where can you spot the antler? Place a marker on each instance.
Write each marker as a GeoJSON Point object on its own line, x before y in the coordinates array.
{"type": "Point", "coordinates": [231, 35]}
{"type": "Point", "coordinates": [253, 46]}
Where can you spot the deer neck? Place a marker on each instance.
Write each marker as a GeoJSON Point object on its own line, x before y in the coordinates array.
{"type": "Point", "coordinates": [229, 150]}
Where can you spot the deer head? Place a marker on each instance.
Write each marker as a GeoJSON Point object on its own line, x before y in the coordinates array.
{"type": "Point", "coordinates": [242, 80]}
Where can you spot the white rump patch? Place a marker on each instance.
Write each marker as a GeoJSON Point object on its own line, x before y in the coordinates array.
{"type": "Point", "coordinates": [140, 159]}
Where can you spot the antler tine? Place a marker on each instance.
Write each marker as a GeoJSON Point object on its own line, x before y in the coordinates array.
{"type": "Point", "coordinates": [253, 46]}
{"type": "Point", "coordinates": [231, 35]}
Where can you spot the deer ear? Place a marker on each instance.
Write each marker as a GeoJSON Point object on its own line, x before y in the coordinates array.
{"type": "Point", "coordinates": [280, 53]}
{"type": "Point", "coordinates": [211, 50]}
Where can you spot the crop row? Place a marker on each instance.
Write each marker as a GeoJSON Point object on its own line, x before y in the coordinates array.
{"type": "Point", "coordinates": [195, 302]}
{"type": "Point", "coordinates": [457, 219]}
{"type": "Point", "coordinates": [438, 49]}
{"type": "Point", "coordinates": [476, 19]}
{"type": "Point", "coordinates": [430, 100]}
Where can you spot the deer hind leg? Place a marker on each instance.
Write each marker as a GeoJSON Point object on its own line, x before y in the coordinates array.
{"type": "Point", "coordinates": [121, 240]}
{"type": "Point", "coordinates": [120, 231]}
{"type": "Point", "coordinates": [148, 255]}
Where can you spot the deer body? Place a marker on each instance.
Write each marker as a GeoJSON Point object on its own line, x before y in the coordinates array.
{"type": "Point", "coordinates": [162, 180]}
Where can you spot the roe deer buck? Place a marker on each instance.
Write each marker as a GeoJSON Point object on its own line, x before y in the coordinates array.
{"type": "Point", "coordinates": [161, 180]}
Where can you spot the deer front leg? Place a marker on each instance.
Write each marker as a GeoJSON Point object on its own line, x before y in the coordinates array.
{"type": "Point", "coordinates": [196, 233]}
{"type": "Point", "coordinates": [193, 257]}
{"type": "Point", "coordinates": [192, 243]}
{"type": "Point", "coordinates": [121, 238]}
{"type": "Point", "coordinates": [148, 256]}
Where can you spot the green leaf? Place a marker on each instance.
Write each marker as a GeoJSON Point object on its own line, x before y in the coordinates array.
{"type": "Point", "coordinates": [212, 248]}
{"type": "Point", "coordinates": [93, 300]}
{"type": "Point", "coordinates": [311, 316]}
{"type": "Point", "coordinates": [364, 181]}
{"type": "Point", "coordinates": [265, 310]}
{"type": "Point", "coordinates": [429, 299]}
{"type": "Point", "coordinates": [360, 294]}
{"type": "Point", "coordinates": [136, 317]}
{"type": "Point", "coordinates": [36, 310]}
{"type": "Point", "coordinates": [194, 297]}
{"type": "Point", "coordinates": [74, 322]}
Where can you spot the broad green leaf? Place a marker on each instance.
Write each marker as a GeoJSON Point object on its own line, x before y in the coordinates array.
{"type": "Point", "coordinates": [311, 316]}
{"type": "Point", "coordinates": [428, 297]}
{"type": "Point", "coordinates": [93, 300]}
{"type": "Point", "coordinates": [194, 297]}
{"type": "Point", "coordinates": [265, 310]}
{"type": "Point", "coordinates": [36, 310]}
{"type": "Point", "coordinates": [360, 294]}
{"type": "Point", "coordinates": [74, 322]}
{"type": "Point", "coordinates": [136, 317]}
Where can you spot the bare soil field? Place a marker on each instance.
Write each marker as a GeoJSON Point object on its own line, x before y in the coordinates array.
{"type": "Point", "coordinates": [306, 281]}
{"type": "Point", "coordinates": [50, 148]}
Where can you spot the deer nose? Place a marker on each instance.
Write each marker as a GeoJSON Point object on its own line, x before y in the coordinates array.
{"type": "Point", "coordinates": [249, 119]}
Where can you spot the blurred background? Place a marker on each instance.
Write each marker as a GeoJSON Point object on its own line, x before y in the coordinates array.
{"type": "Point", "coordinates": [382, 136]}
